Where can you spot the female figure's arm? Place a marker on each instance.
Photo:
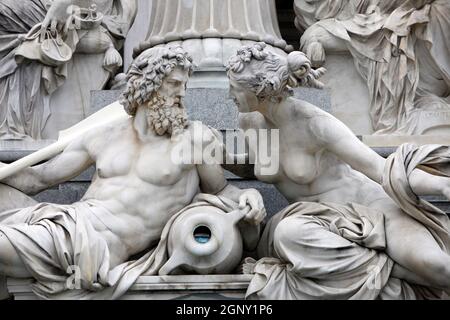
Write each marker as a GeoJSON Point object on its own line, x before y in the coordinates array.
{"type": "Point", "coordinates": [337, 138]}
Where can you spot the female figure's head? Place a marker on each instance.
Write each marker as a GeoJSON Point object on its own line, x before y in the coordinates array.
{"type": "Point", "coordinates": [258, 75]}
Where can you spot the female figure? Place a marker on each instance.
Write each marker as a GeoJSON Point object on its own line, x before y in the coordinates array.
{"type": "Point", "coordinates": [346, 224]}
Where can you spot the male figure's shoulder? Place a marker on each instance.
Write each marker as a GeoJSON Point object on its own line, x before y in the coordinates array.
{"type": "Point", "coordinates": [98, 138]}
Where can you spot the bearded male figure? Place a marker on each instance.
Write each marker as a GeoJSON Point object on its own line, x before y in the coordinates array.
{"type": "Point", "coordinates": [136, 189]}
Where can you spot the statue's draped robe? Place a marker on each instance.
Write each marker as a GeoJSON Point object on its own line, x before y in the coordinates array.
{"type": "Point", "coordinates": [25, 88]}
{"type": "Point", "coordinates": [401, 49]}
{"type": "Point", "coordinates": [330, 251]}
{"type": "Point", "coordinates": [59, 245]}
{"type": "Point", "coordinates": [336, 251]}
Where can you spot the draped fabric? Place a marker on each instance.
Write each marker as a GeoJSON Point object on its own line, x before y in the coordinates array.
{"type": "Point", "coordinates": [25, 87]}
{"type": "Point", "coordinates": [54, 241]}
{"type": "Point", "coordinates": [434, 159]}
{"type": "Point", "coordinates": [400, 48]}
{"type": "Point", "coordinates": [308, 12]}
{"type": "Point", "coordinates": [333, 251]}
{"type": "Point", "coordinates": [24, 105]}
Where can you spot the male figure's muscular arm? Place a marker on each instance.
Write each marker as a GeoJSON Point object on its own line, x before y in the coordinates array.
{"type": "Point", "coordinates": [67, 165]}
{"type": "Point", "coordinates": [212, 181]}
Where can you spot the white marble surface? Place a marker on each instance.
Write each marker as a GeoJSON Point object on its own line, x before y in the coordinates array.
{"type": "Point", "coordinates": [211, 31]}
{"type": "Point", "coordinates": [164, 288]}
{"type": "Point", "coordinates": [46, 81]}
{"type": "Point", "coordinates": [400, 49]}
{"type": "Point", "coordinates": [328, 174]}
{"type": "Point", "coordinates": [348, 92]}
{"type": "Point", "coordinates": [138, 192]}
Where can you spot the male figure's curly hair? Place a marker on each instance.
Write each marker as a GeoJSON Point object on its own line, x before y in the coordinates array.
{"type": "Point", "coordinates": [148, 71]}
{"type": "Point", "coordinates": [271, 75]}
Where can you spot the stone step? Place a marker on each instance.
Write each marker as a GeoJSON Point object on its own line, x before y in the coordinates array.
{"type": "Point", "coordinates": [186, 287]}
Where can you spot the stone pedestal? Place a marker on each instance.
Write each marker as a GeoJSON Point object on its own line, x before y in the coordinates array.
{"type": "Point", "coordinates": [13, 150]}
{"type": "Point", "coordinates": [210, 30]}
{"type": "Point", "coordinates": [395, 141]}
{"type": "Point", "coordinates": [220, 287]}
{"type": "Point", "coordinates": [181, 20]}
{"type": "Point", "coordinates": [4, 294]}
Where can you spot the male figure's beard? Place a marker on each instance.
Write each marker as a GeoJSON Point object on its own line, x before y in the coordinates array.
{"type": "Point", "coordinates": [166, 115]}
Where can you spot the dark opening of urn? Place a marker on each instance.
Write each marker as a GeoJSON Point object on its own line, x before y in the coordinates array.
{"type": "Point", "coordinates": [202, 234]}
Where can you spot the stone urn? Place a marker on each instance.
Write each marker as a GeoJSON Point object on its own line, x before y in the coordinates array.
{"type": "Point", "coordinates": [204, 240]}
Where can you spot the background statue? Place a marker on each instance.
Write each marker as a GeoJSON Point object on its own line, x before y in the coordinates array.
{"type": "Point", "coordinates": [48, 51]}
{"type": "Point", "coordinates": [137, 188]}
{"type": "Point", "coordinates": [400, 48]}
{"type": "Point", "coordinates": [352, 210]}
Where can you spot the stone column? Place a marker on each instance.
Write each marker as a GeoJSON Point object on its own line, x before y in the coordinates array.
{"type": "Point", "coordinates": [138, 31]}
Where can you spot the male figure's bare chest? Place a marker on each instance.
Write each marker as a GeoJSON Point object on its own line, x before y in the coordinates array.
{"type": "Point", "coordinates": [150, 162]}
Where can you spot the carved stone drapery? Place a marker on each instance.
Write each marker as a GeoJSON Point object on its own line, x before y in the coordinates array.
{"type": "Point", "coordinates": [400, 48]}
{"type": "Point", "coordinates": [38, 99]}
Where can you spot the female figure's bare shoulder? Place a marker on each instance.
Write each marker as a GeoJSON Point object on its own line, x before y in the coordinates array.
{"type": "Point", "coordinates": [321, 124]}
{"type": "Point", "coordinates": [252, 120]}
{"type": "Point", "coordinates": [304, 110]}
{"type": "Point", "coordinates": [300, 111]}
